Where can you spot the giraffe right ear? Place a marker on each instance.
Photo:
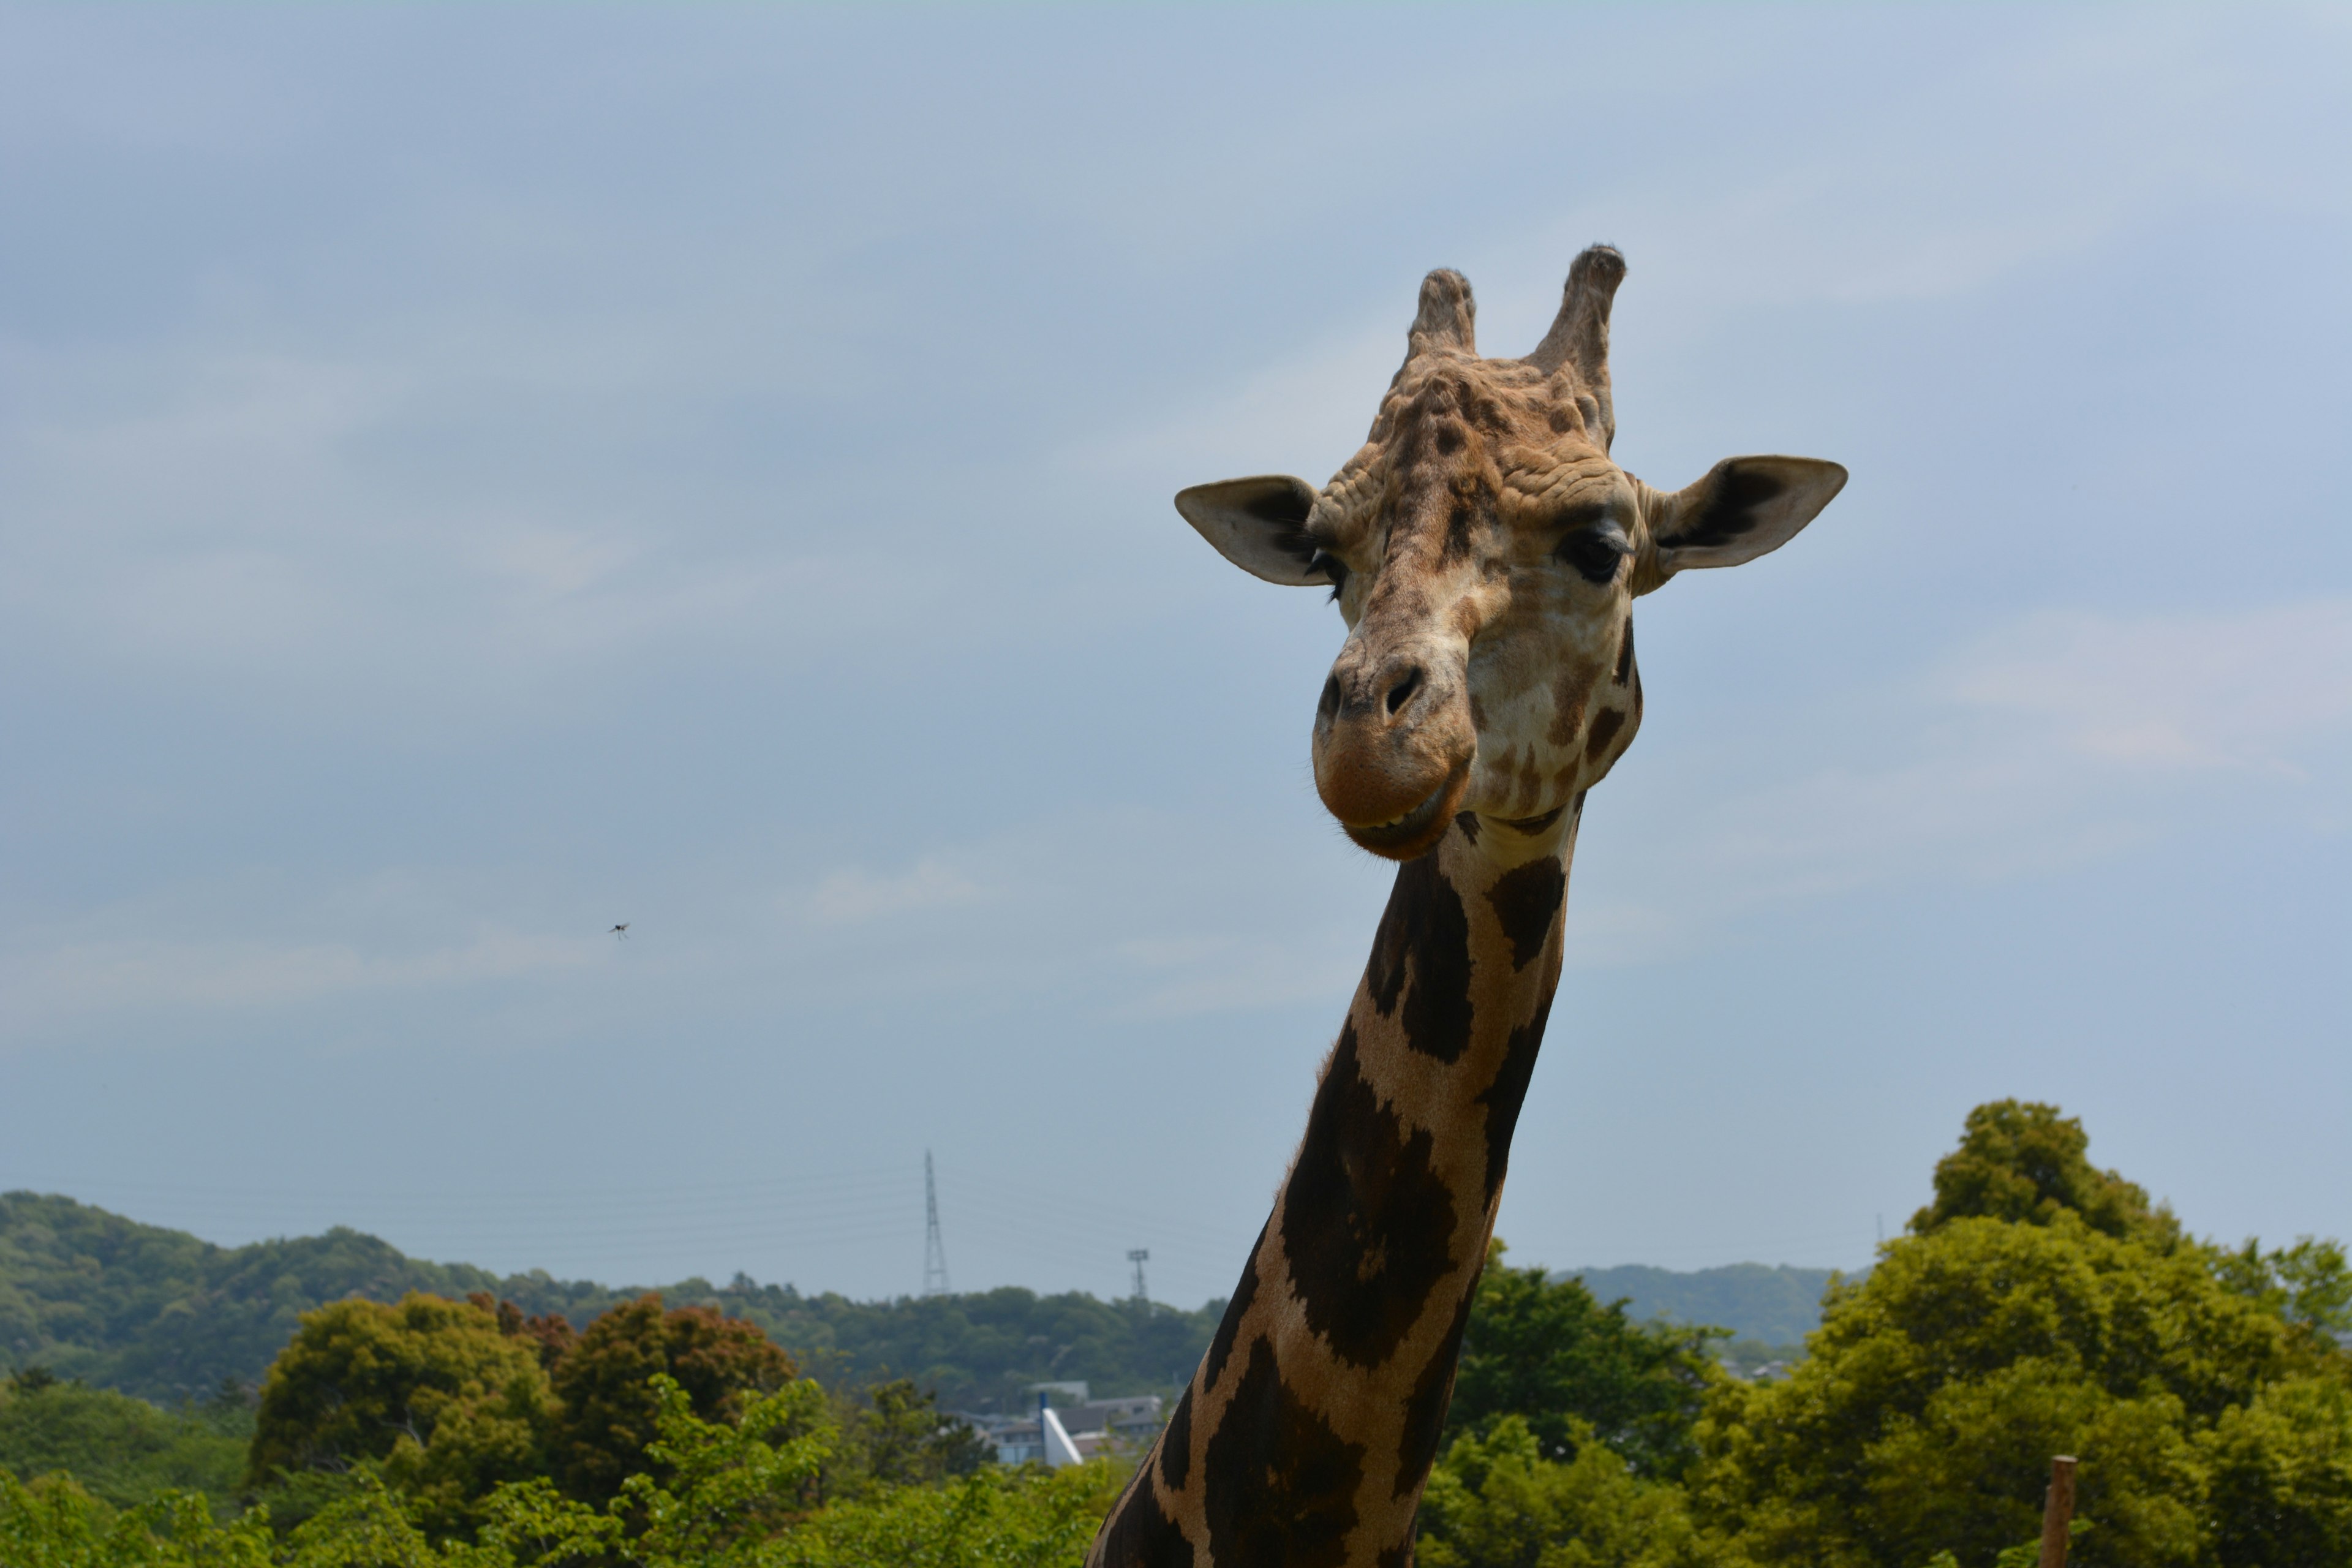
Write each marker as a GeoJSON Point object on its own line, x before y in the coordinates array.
{"type": "Point", "coordinates": [1742, 507]}
{"type": "Point", "coordinates": [1260, 525]}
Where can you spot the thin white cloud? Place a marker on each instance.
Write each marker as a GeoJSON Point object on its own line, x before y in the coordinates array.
{"type": "Point", "coordinates": [856, 896]}
{"type": "Point", "coordinates": [2244, 689]}
{"type": "Point", "coordinates": [2064, 737]}
{"type": "Point", "coordinates": [1248, 980]}
{"type": "Point", "coordinates": [1307, 412]}
{"type": "Point", "coordinates": [87, 978]}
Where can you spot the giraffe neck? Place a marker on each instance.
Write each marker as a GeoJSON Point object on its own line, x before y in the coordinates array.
{"type": "Point", "coordinates": [1309, 1428]}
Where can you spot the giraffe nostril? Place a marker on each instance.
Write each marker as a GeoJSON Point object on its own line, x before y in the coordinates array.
{"type": "Point", "coordinates": [1329, 705]}
{"type": "Point", "coordinates": [1402, 692]}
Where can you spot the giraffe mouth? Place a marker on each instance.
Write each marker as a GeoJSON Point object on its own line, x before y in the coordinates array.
{"type": "Point", "coordinates": [1416, 832]}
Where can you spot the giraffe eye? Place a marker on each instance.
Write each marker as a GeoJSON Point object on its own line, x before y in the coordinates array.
{"type": "Point", "coordinates": [1595, 550]}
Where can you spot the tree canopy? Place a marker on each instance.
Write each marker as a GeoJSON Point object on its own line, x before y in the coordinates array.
{"type": "Point", "coordinates": [2027, 1162]}
{"type": "Point", "coordinates": [1499, 1502]}
{"type": "Point", "coordinates": [429, 1389]}
{"type": "Point", "coordinates": [2040, 1306]}
{"type": "Point", "coordinates": [2211, 1409]}
{"type": "Point", "coordinates": [123, 1449]}
{"type": "Point", "coordinates": [606, 1409]}
{"type": "Point", "coordinates": [1545, 1352]}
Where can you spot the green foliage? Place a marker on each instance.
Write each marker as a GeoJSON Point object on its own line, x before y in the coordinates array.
{"type": "Point", "coordinates": [993, 1518]}
{"type": "Point", "coordinates": [1546, 1353]}
{"type": "Point", "coordinates": [731, 1495]}
{"type": "Point", "coordinates": [1497, 1501]}
{"type": "Point", "coordinates": [2027, 1163]}
{"type": "Point", "coordinates": [607, 1413]}
{"type": "Point", "coordinates": [430, 1390]}
{"type": "Point", "coordinates": [55, 1524]}
{"type": "Point", "coordinates": [123, 1450]}
{"type": "Point", "coordinates": [725, 1489]}
{"type": "Point", "coordinates": [1937, 1390]}
{"type": "Point", "coordinates": [2212, 1413]}
{"type": "Point", "coordinates": [2280, 1471]}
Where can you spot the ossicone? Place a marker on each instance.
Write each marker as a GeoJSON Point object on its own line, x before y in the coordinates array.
{"type": "Point", "coordinates": [1448, 316]}
{"type": "Point", "coordinates": [1578, 338]}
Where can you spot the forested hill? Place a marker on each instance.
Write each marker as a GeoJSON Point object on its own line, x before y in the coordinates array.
{"type": "Point", "coordinates": [1776, 1305]}
{"type": "Point", "coordinates": [161, 1314]}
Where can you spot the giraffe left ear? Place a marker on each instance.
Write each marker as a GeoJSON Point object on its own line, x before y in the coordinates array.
{"type": "Point", "coordinates": [1260, 525]}
{"type": "Point", "coordinates": [1744, 508]}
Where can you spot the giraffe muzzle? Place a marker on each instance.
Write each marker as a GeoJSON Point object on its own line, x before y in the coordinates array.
{"type": "Point", "coordinates": [1393, 747]}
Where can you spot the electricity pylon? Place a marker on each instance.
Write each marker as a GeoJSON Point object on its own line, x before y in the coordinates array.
{"type": "Point", "coordinates": [935, 1252]}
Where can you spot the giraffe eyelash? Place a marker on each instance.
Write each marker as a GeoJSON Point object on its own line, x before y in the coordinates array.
{"type": "Point", "coordinates": [1333, 568]}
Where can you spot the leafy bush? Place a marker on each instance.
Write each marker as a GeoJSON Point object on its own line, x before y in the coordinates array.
{"type": "Point", "coordinates": [1497, 1501]}
{"type": "Point", "coordinates": [732, 1495]}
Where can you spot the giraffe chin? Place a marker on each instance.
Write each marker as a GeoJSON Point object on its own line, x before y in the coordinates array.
{"type": "Point", "coordinates": [1416, 832]}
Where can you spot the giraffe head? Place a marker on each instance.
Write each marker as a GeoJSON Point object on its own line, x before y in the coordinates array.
{"type": "Point", "coordinates": [1487, 554]}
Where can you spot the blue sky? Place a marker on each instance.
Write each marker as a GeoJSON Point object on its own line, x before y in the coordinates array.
{"type": "Point", "coordinates": [470, 477]}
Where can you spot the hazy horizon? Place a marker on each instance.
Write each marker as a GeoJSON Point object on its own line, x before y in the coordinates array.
{"type": "Point", "coordinates": [721, 1278]}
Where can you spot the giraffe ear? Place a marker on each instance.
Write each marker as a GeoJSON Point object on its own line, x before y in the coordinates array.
{"type": "Point", "coordinates": [1260, 525]}
{"type": "Point", "coordinates": [1744, 508]}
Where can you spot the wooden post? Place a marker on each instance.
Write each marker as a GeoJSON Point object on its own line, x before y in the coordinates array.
{"type": "Point", "coordinates": [2058, 1511]}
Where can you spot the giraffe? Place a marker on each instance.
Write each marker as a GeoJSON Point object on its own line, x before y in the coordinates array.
{"type": "Point", "coordinates": [1485, 552]}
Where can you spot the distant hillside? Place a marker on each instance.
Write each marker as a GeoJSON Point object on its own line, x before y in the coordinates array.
{"type": "Point", "coordinates": [1778, 1305]}
{"type": "Point", "coordinates": [161, 1314]}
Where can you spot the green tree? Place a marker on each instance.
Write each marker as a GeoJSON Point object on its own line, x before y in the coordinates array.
{"type": "Point", "coordinates": [429, 1389]}
{"type": "Point", "coordinates": [2028, 1162]}
{"type": "Point", "coordinates": [2281, 1475]}
{"type": "Point", "coordinates": [726, 1487]}
{"type": "Point", "coordinates": [609, 1411]}
{"type": "Point", "coordinates": [1545, 1352]}
{"type": "Point", "coordinates": [2208, 1406]}
{"type": "Point", "coordinates": [996, 1517]}
{"type": "Point", "coordinates": [1497, 1501]}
